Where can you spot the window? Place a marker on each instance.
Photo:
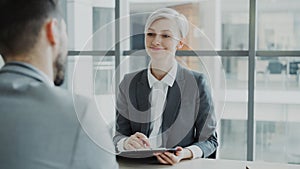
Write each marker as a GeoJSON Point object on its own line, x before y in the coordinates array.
{"type": "Point", "coordinates": [226, 25]}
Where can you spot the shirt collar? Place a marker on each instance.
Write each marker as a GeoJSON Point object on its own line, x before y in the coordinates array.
{"type": "Point", "coordinates": [42, 74]}
{"type": "Point", "coordinates": [169, 79]}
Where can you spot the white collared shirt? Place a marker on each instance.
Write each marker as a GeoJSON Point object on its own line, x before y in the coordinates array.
{"type": "Point", "coordinates": [158, 98]}
{"type": "Point", "coordinates": [158, 101]}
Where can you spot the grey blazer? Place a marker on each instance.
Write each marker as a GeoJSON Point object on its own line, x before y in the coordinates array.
{"type": "Point", "coordinates": [188, 117]}
{"type": "Point", "coordinates": [39, 128]}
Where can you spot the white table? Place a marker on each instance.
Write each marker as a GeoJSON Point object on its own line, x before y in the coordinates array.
{"type": "Point", "coordinates": [209, 164]}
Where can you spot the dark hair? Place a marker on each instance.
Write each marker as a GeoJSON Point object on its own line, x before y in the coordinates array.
{"type": "Point", "coordinates": [21, 22]}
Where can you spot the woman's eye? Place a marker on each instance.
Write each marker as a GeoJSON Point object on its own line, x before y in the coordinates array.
{"type": "Point", "coordinates": [150, 34]}
{"type": "Point", "coordinates": [165, 36]}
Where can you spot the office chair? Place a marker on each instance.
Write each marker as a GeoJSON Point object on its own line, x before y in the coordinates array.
{"type": "Point", "coordinates": [275, 67]}
{"type": "Point", "coordinates": [214, 154]}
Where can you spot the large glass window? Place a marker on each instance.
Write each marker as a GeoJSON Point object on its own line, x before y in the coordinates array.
{"type": "Point", "coordinates": [278, 25]}
{"type": "Point", "coordinates": [235, 25]}
{"type": "Point", "coordinates": [276, 105]}
{"type": "Point", "coordinates": [233, 126]}
{"type": "Point", "coordinates": [277, 82]}
{"type": "Point", "coordinates": [218, 27]}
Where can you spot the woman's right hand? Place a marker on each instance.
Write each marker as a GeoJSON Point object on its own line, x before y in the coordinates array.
{"type": "Point", "coordinates": [136, 141]}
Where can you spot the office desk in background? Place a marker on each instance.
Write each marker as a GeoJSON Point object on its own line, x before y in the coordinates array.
{"type": "Point", "coordinates": [209, 164]}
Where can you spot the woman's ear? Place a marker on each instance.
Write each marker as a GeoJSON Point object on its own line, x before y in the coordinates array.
{"type": "Point", "coordinates": [52, 31]}
{"type": "Point", "coordinates": [180, 44]}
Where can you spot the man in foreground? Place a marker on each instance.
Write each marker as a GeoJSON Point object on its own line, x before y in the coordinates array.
{"type": "Point", "coordinates": [43, 126]}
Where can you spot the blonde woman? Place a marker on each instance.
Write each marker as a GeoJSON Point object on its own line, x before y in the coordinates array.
{"type": "Point", "coordinates": [166, 105]}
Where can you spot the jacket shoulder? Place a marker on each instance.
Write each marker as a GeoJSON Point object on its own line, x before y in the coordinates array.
{"type": "Point", "coordinates": [134, 76]}
{"type": "Point", "coordinates": [197, 75]}
{"type": "Point", "coordinates": [136, 73]}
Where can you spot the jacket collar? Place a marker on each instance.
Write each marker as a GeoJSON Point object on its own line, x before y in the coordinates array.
{"type": "Point", "coordinates": [26, 70]}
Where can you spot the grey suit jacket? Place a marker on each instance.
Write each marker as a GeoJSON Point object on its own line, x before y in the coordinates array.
{"type": "Point", "coordinates": [188, 117]}
{"type": "Point", "coordinates": [39, 128]}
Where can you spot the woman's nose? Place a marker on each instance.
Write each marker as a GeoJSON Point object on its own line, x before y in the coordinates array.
{"type": "Point", "coordinates": [156, 40]}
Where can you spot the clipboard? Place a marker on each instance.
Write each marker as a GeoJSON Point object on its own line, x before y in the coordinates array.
{"type": "Point", "coordinates": [143, 153]}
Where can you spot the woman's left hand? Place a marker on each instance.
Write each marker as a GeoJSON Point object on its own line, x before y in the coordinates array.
{"type": "Point", "coordinates": [174, 158]}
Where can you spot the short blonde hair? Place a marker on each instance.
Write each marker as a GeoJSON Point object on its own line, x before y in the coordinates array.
{"type": "Point", "coordinates": [169, 13]}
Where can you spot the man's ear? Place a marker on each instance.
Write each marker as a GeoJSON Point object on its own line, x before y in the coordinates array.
{"type": "Point", "coordinates": [52, 31]}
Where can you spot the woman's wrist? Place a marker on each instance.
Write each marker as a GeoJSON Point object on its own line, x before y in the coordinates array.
{"type": "Point", "coordinates": [187, 153]}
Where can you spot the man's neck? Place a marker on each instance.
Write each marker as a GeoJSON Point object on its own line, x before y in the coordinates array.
{"type": "Point", "coordinates": [37, 63]}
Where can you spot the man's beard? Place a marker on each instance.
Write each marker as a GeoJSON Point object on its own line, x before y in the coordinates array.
{"type": "Point", "coordinates": [59, 65]}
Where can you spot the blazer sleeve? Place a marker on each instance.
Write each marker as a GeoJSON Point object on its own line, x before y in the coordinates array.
{"type": "Point", "coordinates": [123, 128]}
{"type": "Point", "coordinates": [205, 124]}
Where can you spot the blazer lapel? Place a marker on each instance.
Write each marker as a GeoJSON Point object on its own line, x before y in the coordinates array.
{"type": "Point", "coordinates": [172, 104]}
{"type": "Point", "coordinates": [143, 103]}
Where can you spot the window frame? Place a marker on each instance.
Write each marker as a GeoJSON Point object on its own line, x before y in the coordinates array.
{"type": "Point", "coordinates": [252, 53]}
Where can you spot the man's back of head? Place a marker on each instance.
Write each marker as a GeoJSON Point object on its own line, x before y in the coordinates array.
{"type": "Point", "coordinates": [34, 32]}
{"type": "Point", "coordinates": [21, 22]}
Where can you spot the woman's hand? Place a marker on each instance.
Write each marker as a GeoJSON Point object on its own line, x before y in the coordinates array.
{"type": "Point", "coordinates": [174, 158]}
{"type": "Point", "coordinates": [136, 141]}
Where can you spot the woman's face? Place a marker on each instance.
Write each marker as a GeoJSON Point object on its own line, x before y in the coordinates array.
{"type": "Point", "coordinates": [162, 40]}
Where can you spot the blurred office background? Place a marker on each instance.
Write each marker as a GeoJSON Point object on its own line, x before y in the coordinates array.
{"type": "Point", "coordinates": [221, 27]}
